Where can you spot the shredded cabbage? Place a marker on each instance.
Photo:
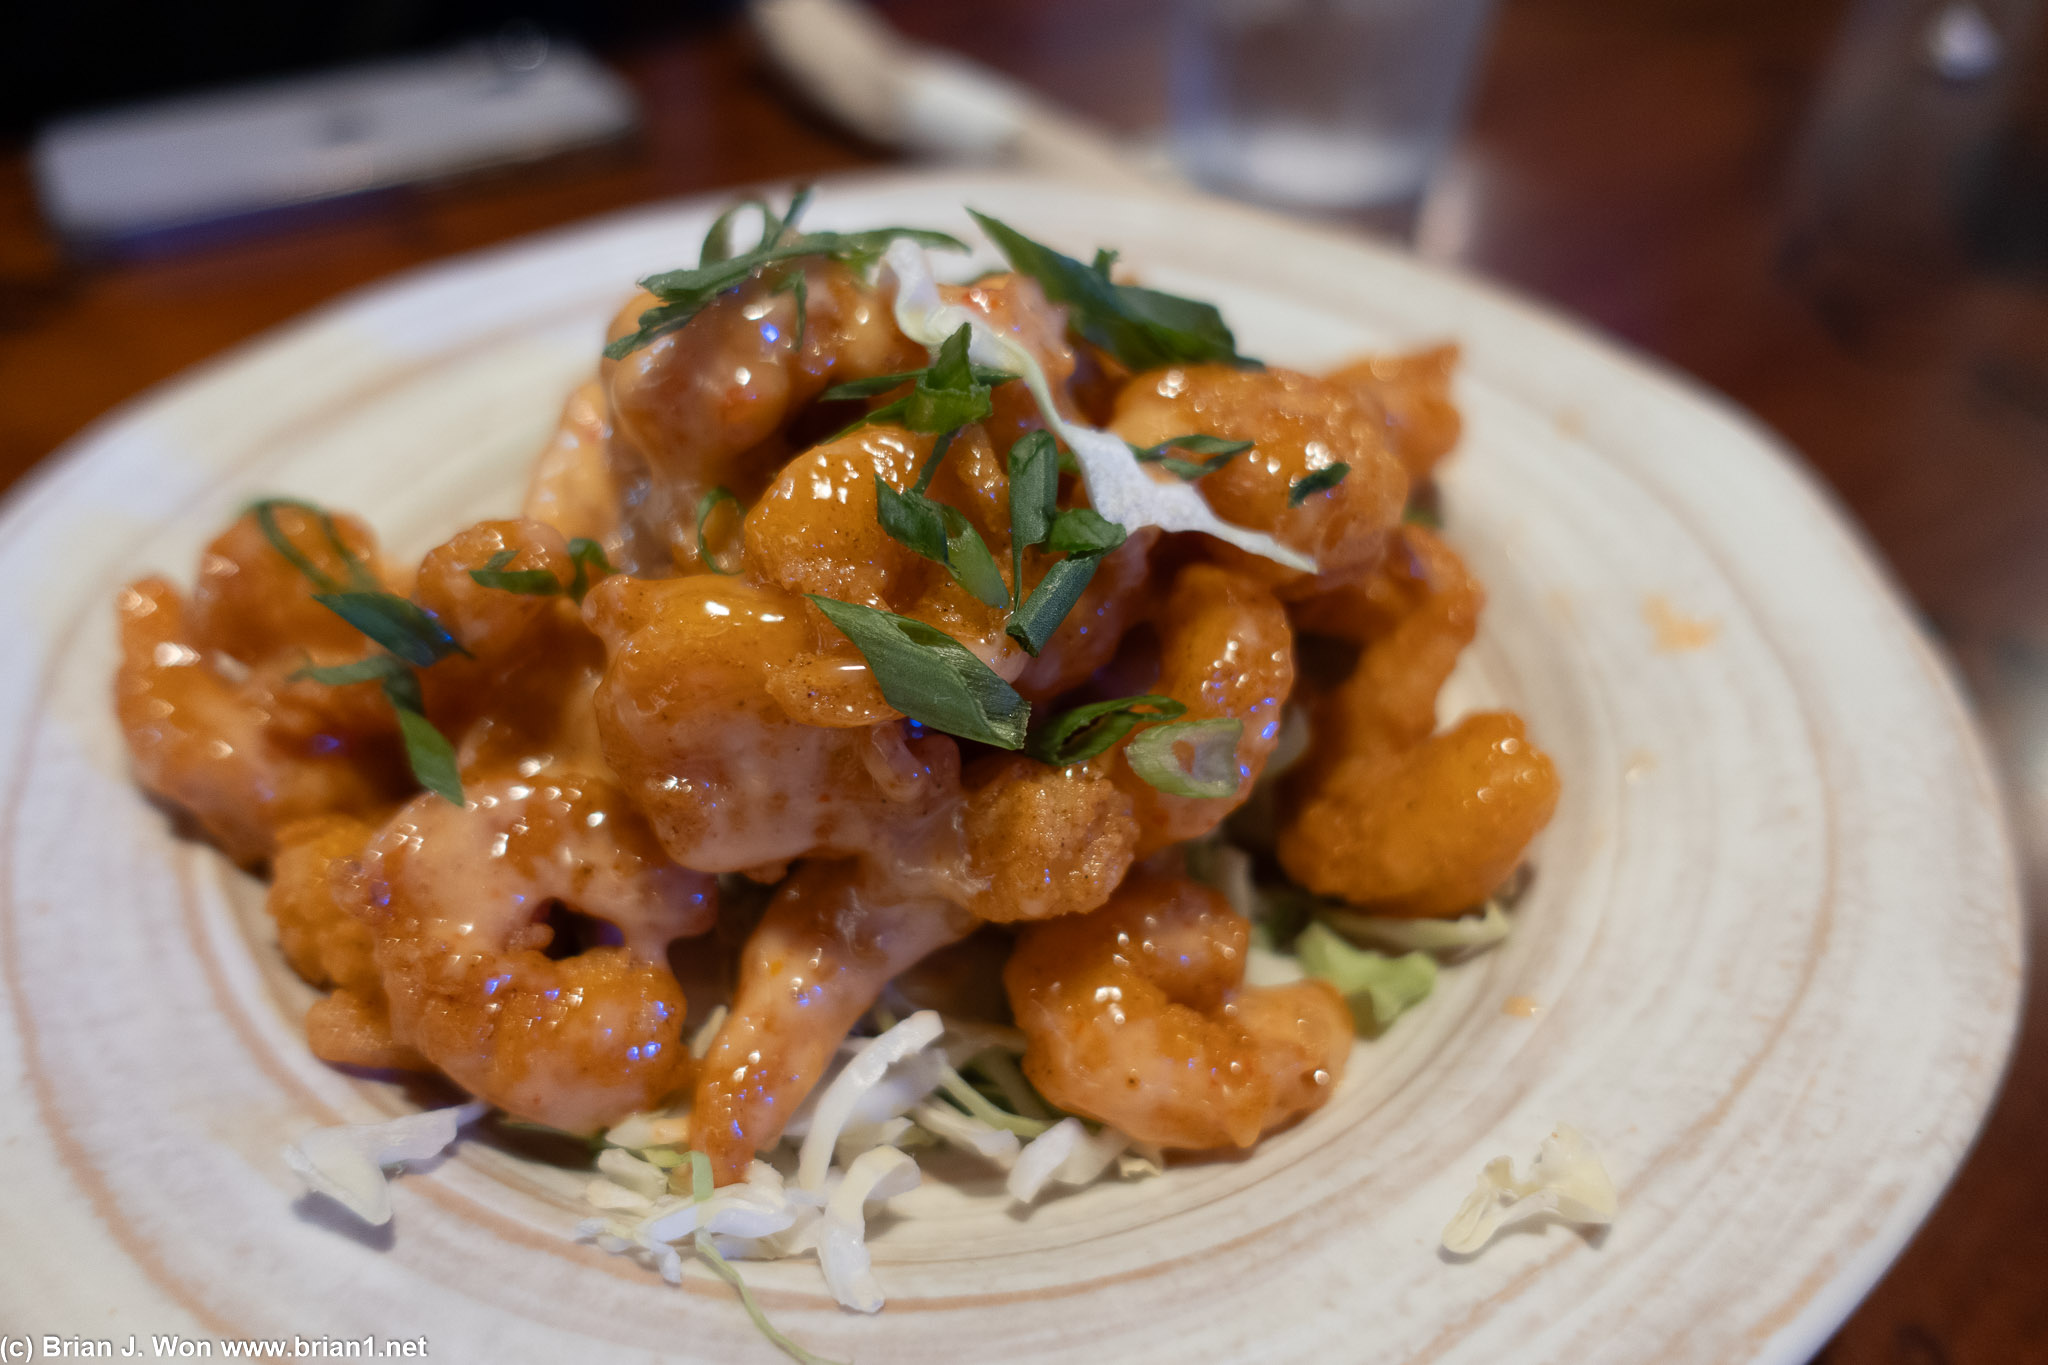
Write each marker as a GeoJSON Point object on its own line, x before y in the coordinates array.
{"type": "Point", "coordinates": [346, 1163]}
{"type": "Point", "coordinates": [1449, 936]}
{"type": "Point", "coordinates": [1567, 1180]}
{"type": "Point", "coordinates": [836, 1106]}
{"type": "Point", "coordinates": [1377, 987]}
{"type": "Point", "coordinates": [876, 1175]}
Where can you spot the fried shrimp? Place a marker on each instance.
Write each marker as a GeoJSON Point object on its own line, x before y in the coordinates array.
{"type": "Point", "coordinates": [730, 782]}
{"type": "Point", "coordinates": [573, 487]}
{"type": "Point", "coordinates": [218, 725]}
{"type": "Point", "coordinates": [1299, 425]}
{"type": "Point", "coordinates": [1412, 391]}
{"type": "Point", "coordinates": [834, 935]}
{"type": "Point", "coordinates": [1391, 816]}
{"type": "Point", "coordinates": [1226, 654]}
{"type": "Point", "coordinates": [693, 405]}
{"type": "Point", "coordinates": [315, 878]}
{"type": "Point", "coordinates": [1136, 1015]}
{"type": "Point", "coordinates": [522, 944]}
{"type": "Point", "coordinates": [518, 699]}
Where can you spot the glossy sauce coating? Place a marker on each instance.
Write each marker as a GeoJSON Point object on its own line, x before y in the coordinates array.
{"type": "Point", "coordinates": [1136, 1015]}
{"type": "Point", "coordinates": [459, 900]}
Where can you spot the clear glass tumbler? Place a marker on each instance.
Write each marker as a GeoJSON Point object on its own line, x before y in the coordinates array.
{"type": "Point", "coordinates": [1320, 104]}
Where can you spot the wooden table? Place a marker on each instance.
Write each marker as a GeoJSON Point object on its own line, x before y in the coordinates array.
{"type": "Point", "coordinates": [1724, 183]}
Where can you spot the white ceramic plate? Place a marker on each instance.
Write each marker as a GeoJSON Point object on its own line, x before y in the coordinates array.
{"type": "Point", "coordinates": [1774, 934]}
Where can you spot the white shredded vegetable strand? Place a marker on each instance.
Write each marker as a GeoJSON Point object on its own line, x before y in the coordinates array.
{"type": "Point", "coordinates": [842, 1238]}
{"type": "Point", "coordinates": [843, 1095]}
{"type": "Point", "coordinates": [707, 1032]}
{"type": "Point", "coordinates": [346, 1163]}
{"type": "Point", "coordinates": [1042, 1156]}
{"type": "Point", "coordinates": [1120, 488]}
{"type": "Point", "coordinates": [641, 1177]}
{"type": "Point", "coordinates": [1566, 1180]}
{"type": "Point", "coordinates": [985, 1140]}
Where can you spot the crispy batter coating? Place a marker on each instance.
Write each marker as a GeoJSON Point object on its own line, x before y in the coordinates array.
{"type": "Point", "coordinates": [1412, 391]}
{"type": "Point", "coordinates": [1047, 841]}
{"type": "Point", "coordinates": [1136, 1014]}
{"type": "Point", "coordinates": [574, 487]}
{"type": "Point", "coordinates": [315, 877]}
{"type": "Point", "coordinates": [1390, 816]}
{"type": "Point", "coordinates": [728, 779]}
{"type": "Point", "coordinates": [1430, 830]}
{"type": "Point", "coordinates": [1299, 424]}
{"type": "Point", "coordinates": [459, 901]}
{"type": "Point", "coordinates": [216, 722]}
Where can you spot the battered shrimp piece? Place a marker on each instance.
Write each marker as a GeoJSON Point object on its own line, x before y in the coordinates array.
{"type": "Point", "coordinates": [1429, 831]}
{"type": "Point", "coordinates": [1046, 841]}
{"type": "Point", "coordinates": [313, 882]}
{"type": "Point", "coordinates": [694, 404]}
{"type": "Point", "coordinates": [1299, 424]}
{"type": "Point", "coordinates": [730, 782]}
{"type": "Point", "coordinates": [815, 528]}
{"type": "Point", "coordinates": [459, 901]}
{"type": "Point", "coordinates": [1413, 392]}
{"type": "Point", "coordinates": [208, 741]}
{"type": "Point", "coordinates": [1390, 816]}
{"type": "Point", "coordinates": [834, 935]}
{"type": "Point", "coordinates": [1137, 1015]}
{"type": "Point", "coordinates": [1417, 612]}
{"type": "Point", "coordinates": [519, 699]}
{"type": "Point", "coordinates": [573, 487]}
{"type": "Point", "coordinates": [1225, 651]}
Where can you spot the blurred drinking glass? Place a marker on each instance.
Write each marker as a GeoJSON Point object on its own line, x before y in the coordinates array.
{"type": "Point", "coordinates": [1335, 105]}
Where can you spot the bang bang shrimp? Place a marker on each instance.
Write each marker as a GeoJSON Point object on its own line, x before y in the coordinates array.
{"type": "Point", "coordinates": [477, 911]}
{"type": "Point", "coordinates": [1137, 1015]}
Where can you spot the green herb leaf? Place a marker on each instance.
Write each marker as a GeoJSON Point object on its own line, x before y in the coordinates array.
{"type": "Point", "coordinates": [428, 751]}
{"type": "Point", "coordinates": [1033, 623]}
{"type": "Point", "coordinates": [395, 623]}
{"type": "Point", "coordinates": [706, 505]}
{"type": "Point", "coordinates": [1034, 496]}
{"type": "Point", "coordinates": [970, 563]}
{"type": "Point", "coordinates": [1219, 451]}
{"type": "Point", "coordinates": [685, 293]}
{"type": "Point", "coordinates": [1213, 771]}
{"type": "Point", "coordinates": [526, 582]}
{"type": "Point", "coordinates": [1377, 987]}
{"type": "Point", "coordinates": [911, 519]}
{"type": "Point", "coordinates": [718, 244]}
{"type": "Point", "coordinates": [1084, 531]}
{"type": "Point", "coordinates": [591, 565]}
{"type": "Point", "coordinates": [1319, 481]}
{"type": "Point", "coordinates": [377, 666]}
{"type": "Point", "coordinates": [359, 576]}
{"type": "Point", "coordinates": [1142, 328]}
{"type": "Point", "coordinates": [795, 284]}
{"type": "Point", "coordinates": [882, 383]}
{"type": "Point", "coordinates": [1079, 734]}
{"type": "Point", "coordinates": [931, 677]}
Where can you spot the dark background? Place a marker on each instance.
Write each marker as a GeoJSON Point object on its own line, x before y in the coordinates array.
{"type": "Point", "coordinates": [1775, 195]}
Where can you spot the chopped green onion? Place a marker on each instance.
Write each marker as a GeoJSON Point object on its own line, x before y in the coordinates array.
{"type": "Point", "coordinates": [526, 582]}
{"type": "Point", "coordinates": [685, 293]}
{"type": "Point", "coordinates": [1319, 481]}
{"type": "Point", "coordinates": [1034, 622]}
{"type": "Point", "coordinates": [401, 626]}
{"type": "Point", "coordinates": [706, 505]}
{"type": "Point", "coordinates": [591, 564]}
{"type": "Point", "coordinates": [1079, 734]}
{"type": "Point", "coordinates": [931, 677]}
{"type": "Point", "coordinates": [1219, 451]}
{"type": "Point", "coordinates": [1084, 531]}
{"type": "Point", "coordinates": [1142, 328]}
{"type": "Point", "coordinates": [1213, 771]}
{"type": "Point", "coordinates": [359, 577]}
